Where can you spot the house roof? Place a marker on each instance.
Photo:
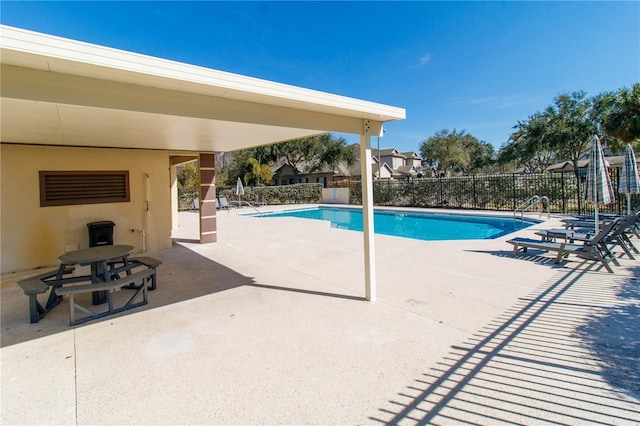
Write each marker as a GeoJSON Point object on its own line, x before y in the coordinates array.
{"type": "Point", "coordinates": [407, 169]}
{"type": "Point", "coordinates": [412, 154]}
{"type": "Point", "coordinates": [390, 152]}
{"type": "Point", "coordinates": [567, 166]}
{"type": "Point", "coordinates": [58, 91]}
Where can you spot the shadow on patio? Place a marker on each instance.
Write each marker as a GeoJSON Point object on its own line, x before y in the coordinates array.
{"type": "Point", "coordinates": [568, 354]}
{"type": "Point", "coordinates": [183, 275]}
{"type": "Point", "coordinates": [613, 335]}
{"type": "Point", "coordinates": [543, 257]}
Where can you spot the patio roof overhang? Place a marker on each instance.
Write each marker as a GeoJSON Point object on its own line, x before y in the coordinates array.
{"type": "Point", "coordinates": [63, 92]}
{"type": "Point", "coordinates": [58, 91]}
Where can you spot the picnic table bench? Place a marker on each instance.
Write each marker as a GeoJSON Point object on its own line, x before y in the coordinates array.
{"type": "Point", "coordinates": [115, 277]}
{"type": "Point", "coordinates": [145, 276]}
{"type": "Point", "coordinates": [149, 262]}
{"type": "Point", "coordinates": [36, 285]}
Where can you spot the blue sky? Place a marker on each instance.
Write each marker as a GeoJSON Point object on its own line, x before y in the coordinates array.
{"type": "Point", "coordinates": [478, 66]}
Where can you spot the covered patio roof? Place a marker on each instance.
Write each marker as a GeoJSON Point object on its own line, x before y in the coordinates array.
{"type": "Point", "coordinates": [63, 92]}
{"type": "Point", "coordinates": [57, 91]}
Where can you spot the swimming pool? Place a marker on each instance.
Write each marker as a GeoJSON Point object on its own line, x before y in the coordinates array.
{"type": "Point", "coordinates": [420, 226]}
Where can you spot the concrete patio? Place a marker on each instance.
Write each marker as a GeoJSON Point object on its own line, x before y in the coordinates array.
{"type": "Point", "coordinates": [269, 326]}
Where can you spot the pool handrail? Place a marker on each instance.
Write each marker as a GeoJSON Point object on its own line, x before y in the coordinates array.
{"type": "Point", "coordinates": [530, 202]}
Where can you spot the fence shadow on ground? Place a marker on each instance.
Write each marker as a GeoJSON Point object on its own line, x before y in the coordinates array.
{"type": "Point", "coordinates": [613, 335]}
{"type": "Point", "coordinates": [538, 363]}
{"type": "Point", "coordinates": [545, 258]}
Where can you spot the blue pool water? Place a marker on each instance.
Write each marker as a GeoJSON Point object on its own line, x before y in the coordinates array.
{"type": "Point", "coordinates": [420, 226]}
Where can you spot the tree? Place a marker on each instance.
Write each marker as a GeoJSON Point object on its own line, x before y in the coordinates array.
{"type": "Point", "coordinates": [528, 145]}
{"type": "Point", "coordinates": [564, 129]}
{"type": "Point", "coordinates": [309, 155]}
{"type": "Point", "coordinates": [247, 168]}
{"type": "Point", "coordinates": [236, 168]}
{"type": "Point", "coordinates": [256, 173]}
{"type": "Point", "coordinates": [569, 126]}
{"type": "Point", "coordinates": [483, 155]}
{"type": "Point", "coordinates": [620, 114]}
{"type": "Point", "coordinates": [305, 156]}
{"type": "Point", "coordinates": [456, 151]}
{"type": "Point", "coordinates": [187, 176]}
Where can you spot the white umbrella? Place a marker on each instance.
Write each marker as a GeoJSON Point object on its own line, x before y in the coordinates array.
{"type": "Point", "coordinates": [598, 188]}
{"type": "Point", "coordinates": [239, 190]}
{"type": "Point", "coordinates": [629, 179]}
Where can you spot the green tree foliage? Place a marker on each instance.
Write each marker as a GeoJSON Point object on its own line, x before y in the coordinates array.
{"type": "Point", "coordinates": [236, 168]}
{"type": "Point", "coordinates": [569, 127]}
{"type": "Point", "coordinates": [620, 114]}
{"type": "Point", "coordinates": [256, 173]}
{"type": "Point", "coordinates": [307, 155]}
{"type": "Point", "coordinates": [528, 146]}
{"type": "Point", "coordinates": [312, 154]}
{"type": "Point", "coordinates": [444, 151]}
{"type": "Point", "coordinates": [562, 131]}
{"type": "Point", "coordinates": [456, 151]}
{"type": "Point", "coordinates": [188, 178]}
{"type": "Point", "coordinates": [247, 168]}
{"type": "Point", "coordinates": [483, 155]}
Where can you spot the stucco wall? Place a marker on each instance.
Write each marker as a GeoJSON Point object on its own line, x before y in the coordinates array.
{"type": "Point", "coordinates": [34, 236]}
{"type": "Point", "coordinates": [335, 195]}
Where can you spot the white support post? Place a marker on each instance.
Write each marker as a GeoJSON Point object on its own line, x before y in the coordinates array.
{"type": "Point", "coordinates": [367, 213]}
{"type": "Point", "coordinates": [173, 173]}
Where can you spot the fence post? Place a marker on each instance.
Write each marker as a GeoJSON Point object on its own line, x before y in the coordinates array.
{"type": "Point", "coordinates": [513, 175]}
{"type": "Point", "coordinates": [475, 197]}
{"type": "Point", "coordinates": [413, 193]}
{"type": "Point", "coordinates": [564, 201]}
{"type": "Point", "coordinates": [615, 189]}
{"type": "Point", "coordinates": [578, 193]}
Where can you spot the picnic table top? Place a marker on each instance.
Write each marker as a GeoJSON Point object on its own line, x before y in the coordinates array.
{"type": "Point", "coordinates": [95, 254]}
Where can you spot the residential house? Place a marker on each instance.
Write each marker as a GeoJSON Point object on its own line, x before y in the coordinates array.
{"type": "Point", "coordinates": [405, 165]}
{"type": "Point", "coordinates": [286, 175]}
{"type": "Point", "coordinates": [614, 162]}
{"type": "Point", "coordinates": [394, 165]}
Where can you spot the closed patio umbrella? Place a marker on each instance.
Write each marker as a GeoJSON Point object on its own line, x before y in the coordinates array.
{"type": "Point", "coordinates": [629, 179]}
{"type": "Point", "coordinates": [598, 188]}
{"type": "Point", "coordinates": [239, 190]}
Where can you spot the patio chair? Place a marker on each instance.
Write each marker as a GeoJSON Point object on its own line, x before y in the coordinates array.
{"type": "Point", "coordinates": [223, 203]}
{"type": "Point", "coordinates": [588, 221]}
{"type": "Point", "coordinates": [619, 235]}
{"type": "Point", "coordinates": [594, 249]}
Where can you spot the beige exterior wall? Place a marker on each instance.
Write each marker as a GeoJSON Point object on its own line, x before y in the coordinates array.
{"type": "Point", "coordinates": [385, 172]}
{"type": "Point", "coordinates": [397, 162]}
{"type": "Point", "coordinates": [414, 162]}
{"type": "Point", "coordinates": [394, 160]}
{"type": "Point", "coordinates": [34, 236]}
{"type": "Point", "coordinates": [335, 195]}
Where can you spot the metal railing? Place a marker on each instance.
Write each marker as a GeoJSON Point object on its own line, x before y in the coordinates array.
{"type": "Point", "coordinates": [239, 204]}
{"type": "Point", "coordinates": [501, 192]}
{"type": "Point", "coordinates": [534, 200]}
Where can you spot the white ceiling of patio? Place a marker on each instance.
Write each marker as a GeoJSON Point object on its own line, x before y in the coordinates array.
{"type": "Point", "coordinates": [58, 91]}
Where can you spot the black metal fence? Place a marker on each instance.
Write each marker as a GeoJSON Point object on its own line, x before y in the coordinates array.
{"type": "Point", "coordinates": [485, 192]}
{"type": "Point", "coordinates": [492, 192]}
